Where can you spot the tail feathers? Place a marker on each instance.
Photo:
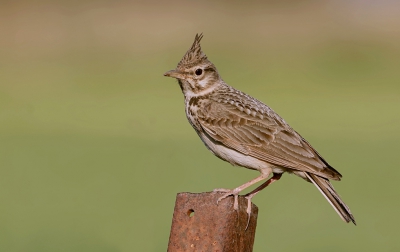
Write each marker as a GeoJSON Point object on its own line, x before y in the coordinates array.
{"type": "Point", "coordinates": [326, 188]}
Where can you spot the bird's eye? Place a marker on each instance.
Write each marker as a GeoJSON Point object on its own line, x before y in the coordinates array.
{"type": "Point", "coordinates": [198, 71]}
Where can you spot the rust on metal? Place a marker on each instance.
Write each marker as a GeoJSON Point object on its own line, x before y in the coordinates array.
{"type": "Point", "coordinates": [199, 224]}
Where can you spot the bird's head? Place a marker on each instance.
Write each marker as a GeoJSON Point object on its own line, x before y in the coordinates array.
{"type": "Point", "coordinates": [195, 73]}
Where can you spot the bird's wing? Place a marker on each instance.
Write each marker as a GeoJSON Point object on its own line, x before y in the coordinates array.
{"type": "Point", "coordinates": [263, 135]}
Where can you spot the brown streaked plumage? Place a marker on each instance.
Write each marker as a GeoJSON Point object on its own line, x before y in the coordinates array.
{"type": "Point", "coordinates": [244, 131]}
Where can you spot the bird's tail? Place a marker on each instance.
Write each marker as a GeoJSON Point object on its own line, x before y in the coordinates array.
{"type": "Point", "coordinates": [326, 188]}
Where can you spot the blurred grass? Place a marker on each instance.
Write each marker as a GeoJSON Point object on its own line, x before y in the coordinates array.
{"type": "Point", "coordinates": [94, 143]}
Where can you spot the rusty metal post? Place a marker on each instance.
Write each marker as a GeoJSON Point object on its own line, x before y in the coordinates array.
{"type": "Point", "coordinates": [199, 224]}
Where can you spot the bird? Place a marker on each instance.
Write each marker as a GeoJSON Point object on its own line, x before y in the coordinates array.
{"type": "Point", "coordinates": [245, 132]}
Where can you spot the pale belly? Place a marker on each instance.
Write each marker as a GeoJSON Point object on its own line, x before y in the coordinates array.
{"type": "Point", "coordinates": [236, 158]}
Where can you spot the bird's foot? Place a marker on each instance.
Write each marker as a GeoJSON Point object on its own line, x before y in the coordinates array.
{"type": "Point", "coordinates": [228, 193]}
{"type": "Point", "coordinates": [248, 210]}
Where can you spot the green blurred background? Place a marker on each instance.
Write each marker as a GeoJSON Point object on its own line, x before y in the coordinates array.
{"type": "Point", "coordinates": [94, 142]}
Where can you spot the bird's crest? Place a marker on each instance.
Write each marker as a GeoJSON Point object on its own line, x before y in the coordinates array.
{"type": "Point", "coordinates": [194, 55]}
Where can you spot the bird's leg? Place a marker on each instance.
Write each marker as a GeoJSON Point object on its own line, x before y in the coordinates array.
{"type": "Point", "coordinates": [235, 192]}
{"type": "Point", "coordinates": [250, 195]}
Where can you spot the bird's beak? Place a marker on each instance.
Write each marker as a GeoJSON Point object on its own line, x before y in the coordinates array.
{"type": "Point", "coordinates": [175, 74]}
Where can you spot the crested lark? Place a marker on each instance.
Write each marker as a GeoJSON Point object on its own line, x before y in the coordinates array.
{"type": "Point", "coordinates": [244, 131]}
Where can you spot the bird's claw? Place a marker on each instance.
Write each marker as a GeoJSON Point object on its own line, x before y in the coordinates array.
{"type": "Point", "coordinates": [227, 194]}
{"type": "Point", "coordinates": [248, 210]}
{"type": "Point", "coordinates": [235, 194]}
